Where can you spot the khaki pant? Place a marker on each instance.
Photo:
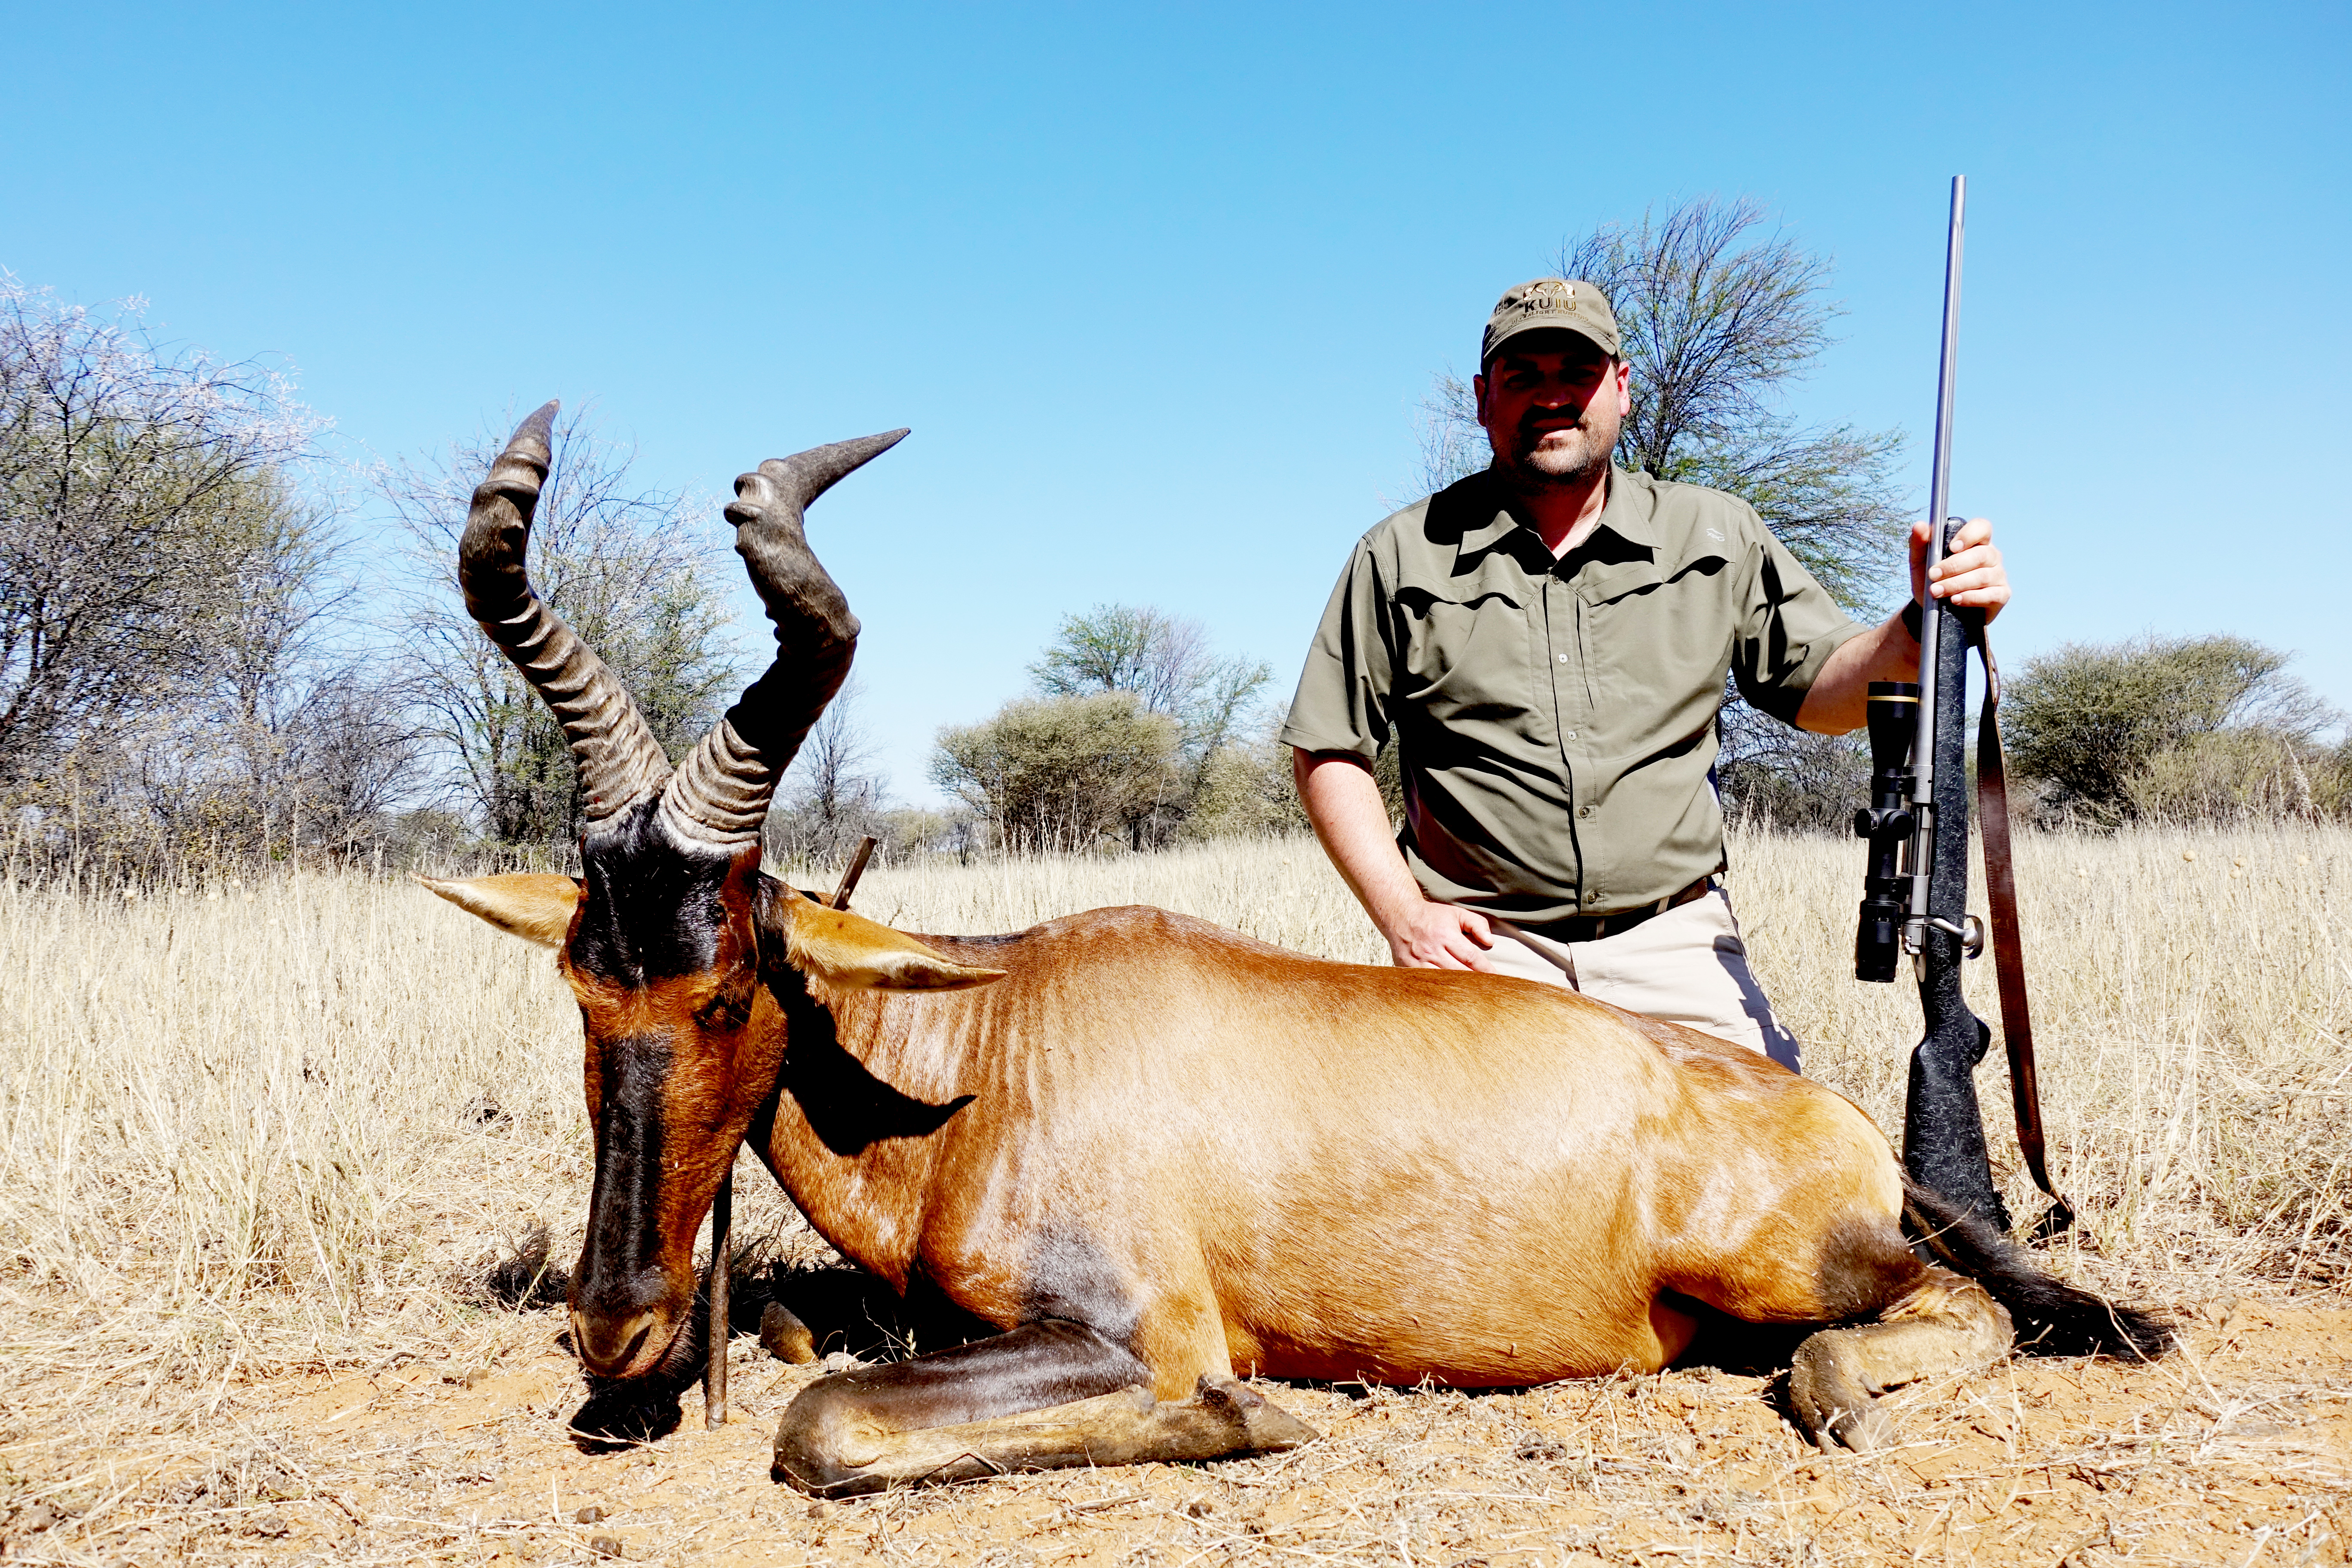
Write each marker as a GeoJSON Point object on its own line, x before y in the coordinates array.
{"type": "Point", "coordinates": [1686, 966]}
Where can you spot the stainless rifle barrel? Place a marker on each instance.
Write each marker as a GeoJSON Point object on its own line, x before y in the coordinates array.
{"type": "Point", "coordinates": [1923, 747]}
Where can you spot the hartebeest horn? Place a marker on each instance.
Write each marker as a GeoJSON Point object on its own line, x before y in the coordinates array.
{"type": "Point", "coordinates": [620, 762]}
{"type": "Point", "coordinates": [722, 792]}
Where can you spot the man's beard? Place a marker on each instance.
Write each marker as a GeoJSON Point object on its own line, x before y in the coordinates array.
{"type": "Point", "coordinates": [1574, 460]}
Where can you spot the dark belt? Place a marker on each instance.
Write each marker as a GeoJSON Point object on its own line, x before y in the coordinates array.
{"type": "Point", "coordinates": [1593, 927]}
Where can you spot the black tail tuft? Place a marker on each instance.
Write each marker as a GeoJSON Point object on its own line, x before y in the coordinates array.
{"type": "Point", "coordinates": [2053, 1318]}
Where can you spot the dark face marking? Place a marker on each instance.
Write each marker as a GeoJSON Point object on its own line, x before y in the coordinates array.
{"type": "Point", "coordinates": [619, 1274]}
{"type": "Point", "coordinates": [651, 908]}
{"type": "Point", "coordinates": [661, 960]}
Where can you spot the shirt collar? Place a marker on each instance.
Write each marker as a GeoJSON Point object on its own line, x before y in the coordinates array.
{"type": "Point", "coordinates": [1627, 514]}
{"type": "Point", "coordinates": [1628, 511]}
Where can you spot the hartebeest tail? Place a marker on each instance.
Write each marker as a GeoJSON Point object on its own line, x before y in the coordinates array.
{"type": "Point", "coordinates": [2052, 1317]}
{"type": "Point", "coordinates": [1154, 1153]}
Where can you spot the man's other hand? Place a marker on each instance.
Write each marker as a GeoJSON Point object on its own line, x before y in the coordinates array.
{"type": "Point", "coordinates": [1971, 575]}
{"type": "Point", "coordinates": [1439, 936]}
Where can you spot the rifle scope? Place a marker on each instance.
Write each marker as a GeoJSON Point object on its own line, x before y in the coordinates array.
{"type": "Point", "coordinates": [1887, 823]}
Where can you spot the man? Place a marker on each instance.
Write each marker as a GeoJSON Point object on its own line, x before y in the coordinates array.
{"type": "Point", "coordinates": [1548, 640]}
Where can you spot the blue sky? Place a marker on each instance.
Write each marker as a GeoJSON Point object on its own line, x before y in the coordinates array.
{"type": "Point", "coordinates": [1159, 289]}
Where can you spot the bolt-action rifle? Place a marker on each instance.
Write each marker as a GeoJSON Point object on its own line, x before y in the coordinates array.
{"type": "Point", "coordinates": [1916, 889]}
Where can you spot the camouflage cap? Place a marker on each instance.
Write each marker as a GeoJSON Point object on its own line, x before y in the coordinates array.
{"type": "Point", "coordinates": [1560, 303]}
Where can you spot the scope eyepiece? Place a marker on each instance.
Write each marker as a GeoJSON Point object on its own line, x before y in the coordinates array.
{"type": "Point", "coordinates": [1878, 939]}
{"type": "Point", "coordinates": [1893, 709]}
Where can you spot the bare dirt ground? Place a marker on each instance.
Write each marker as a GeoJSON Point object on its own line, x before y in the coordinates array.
{"type": "Point", "coordinates": [2238, 1451]}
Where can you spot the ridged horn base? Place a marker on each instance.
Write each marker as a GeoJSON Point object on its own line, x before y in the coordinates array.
{"type": "Point", "coordinates": [720, 794]}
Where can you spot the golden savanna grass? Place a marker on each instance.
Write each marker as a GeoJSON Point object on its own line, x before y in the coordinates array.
{"type": "Point", "coordinates": [255, 1140]}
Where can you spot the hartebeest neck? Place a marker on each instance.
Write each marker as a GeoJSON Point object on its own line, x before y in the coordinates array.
{"type": "Point", "coordinates": [868, 1096]}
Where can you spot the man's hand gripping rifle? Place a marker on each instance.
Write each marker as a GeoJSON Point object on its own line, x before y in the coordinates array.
{"type": "Point", "coordinates": [1916, 888]}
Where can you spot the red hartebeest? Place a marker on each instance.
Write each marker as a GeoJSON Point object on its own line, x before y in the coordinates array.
{"type": "Point", "coordinates": [1155, 1152]}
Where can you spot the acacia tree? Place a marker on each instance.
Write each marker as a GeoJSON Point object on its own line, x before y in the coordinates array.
{"type": "Point", "coordinates": [633, 571]}
{"type": "Point", "coordinates": [288, 736]}
{"type": "Point", "coordinates": [1166, 663]}
{"type": "Point", "coordinates": [175, 676]}
{"type": "Point", "coordinates": [1061, 773]}
{"type": "Point", "coordinates": [128, 473]}
{"type": "Point", "coordinates": [2178, 727]}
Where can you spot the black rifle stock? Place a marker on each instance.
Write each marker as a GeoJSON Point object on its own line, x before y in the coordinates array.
{"type": "Point", "coordinates": [1943, 1126]}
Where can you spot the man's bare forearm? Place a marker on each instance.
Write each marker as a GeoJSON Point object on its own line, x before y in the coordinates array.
{"type": "Point", "coordinates": [1972, 575]}
{"type": "Point", "coordinates": [1343, 801]}
{"type": "Point", "coordinates": [1839, 698]}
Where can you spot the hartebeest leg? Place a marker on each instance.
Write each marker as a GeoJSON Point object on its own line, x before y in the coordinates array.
{"type": "Point", "coordinates": [1945, 1324]}
{"type": "Point", "coordinates": [1046, 1395]}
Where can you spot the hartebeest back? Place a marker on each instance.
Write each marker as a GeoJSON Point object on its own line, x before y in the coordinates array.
{"type": "Point", "coordinates": [1155, 1152]}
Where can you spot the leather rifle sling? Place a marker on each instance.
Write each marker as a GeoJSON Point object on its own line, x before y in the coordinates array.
{"type": "Point", "coordinates": [2008, 954]}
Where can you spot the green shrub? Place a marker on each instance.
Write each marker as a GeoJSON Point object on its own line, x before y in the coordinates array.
{"type": "Point", "coordinates": [2182, 728]}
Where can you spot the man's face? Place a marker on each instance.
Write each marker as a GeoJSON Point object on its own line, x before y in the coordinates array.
{"type": "Point", "coordinates": [1553, 403]}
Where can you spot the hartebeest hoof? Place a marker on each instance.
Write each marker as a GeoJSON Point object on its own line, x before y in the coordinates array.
{"type": "Point", "coordinates": [1942, 1326]}
{"type": "Point", "coordinates": [830, 1445]}
{"type": "Point", "coordinates": [1268, 1426]}
{"type": "Point", "coordinates": [784, 1336]}
{"type": "Point", "coordinates": [1829, 1401]}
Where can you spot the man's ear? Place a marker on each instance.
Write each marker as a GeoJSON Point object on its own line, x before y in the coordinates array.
{"type": "Point", "coordinates": [850, 952]}
{"type": "Point", "coordinates": [533, 907]}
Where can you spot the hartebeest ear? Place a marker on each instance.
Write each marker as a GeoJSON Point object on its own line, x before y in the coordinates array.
{"type": "Point", "coordinates": [853, 953]}
{"type": "Point", "coordinates": [533, 907]}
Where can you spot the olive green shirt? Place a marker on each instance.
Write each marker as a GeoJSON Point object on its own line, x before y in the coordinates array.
{"type": "Point", "coordinates": [1555, 718]}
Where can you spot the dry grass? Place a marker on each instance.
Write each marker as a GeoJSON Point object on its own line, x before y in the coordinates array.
{"type": "Point", "coordinates": [252, 1138]}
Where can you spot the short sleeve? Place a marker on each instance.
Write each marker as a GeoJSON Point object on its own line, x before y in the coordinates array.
{"type": "Point", "coordinates": [1788, 627]}
{"type": "Point", "coordinates": [1343, 691]}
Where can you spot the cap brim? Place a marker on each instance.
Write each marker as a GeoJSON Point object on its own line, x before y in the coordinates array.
{"type": "Point", "coordinates": [1533, 327]}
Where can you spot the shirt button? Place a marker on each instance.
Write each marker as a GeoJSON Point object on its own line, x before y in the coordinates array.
{"type": "Point", "coordinates": [1563, 658]}
{"type": "Point", "coordinates": [1593, 896]}
{"type": "Point", "coordinates": [1571, 734]}
{"type": "Point", "coordinates": [1584, 811]}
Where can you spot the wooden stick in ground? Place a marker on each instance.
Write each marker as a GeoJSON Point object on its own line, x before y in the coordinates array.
{"type": "Point", "coordinates": [722, 1217]}
{"type": "Point", "coordinates": [857, 869]}
{"type": "Point", "coordinates": [714, 1370]}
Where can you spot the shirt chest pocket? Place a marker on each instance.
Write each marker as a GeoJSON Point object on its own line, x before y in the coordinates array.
{"type": "Point", "coordinates": [1658, 654]}
{"type": "Point", "coordinates": [1464, 658]}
